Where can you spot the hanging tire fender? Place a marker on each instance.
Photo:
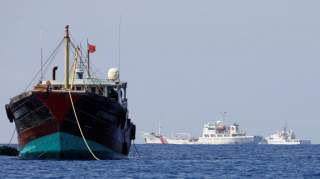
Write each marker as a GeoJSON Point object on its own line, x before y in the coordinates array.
{"type": "Point", "coordinates": [9, 113]}
{"type": "Point", "coordinates": [125, 150]}
{"type": "Point", "coordinates": [123, 120]}
{"type": "Point", "coordinates": [133, 132]}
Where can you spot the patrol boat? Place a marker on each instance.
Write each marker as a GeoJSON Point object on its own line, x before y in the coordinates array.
{"type": "Point", "coordinates": [284, 137]}
{"type": "Point", "coordinates": [219, 133]}
{"type": "Point", "coordinates": [78, 118]}
{"type": "Point", "coordinates": [155, 138]}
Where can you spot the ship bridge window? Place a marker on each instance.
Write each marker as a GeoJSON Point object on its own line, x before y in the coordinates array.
{"type": "Point", "coordinates": [112, 93]}
{"type": "Point", "coordinates": [57, 87]}
{"type": "Point", "coordinates": [206, 135]}
{"type": "Point", "coordinates": [123, 93]}
{"type": "Point", "coordinates": [93, 89]}
{"type": "Point", "coordinates": [100, 91]}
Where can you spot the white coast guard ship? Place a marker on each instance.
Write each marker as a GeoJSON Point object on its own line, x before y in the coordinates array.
{"type": "Point", "coordinates": [153, 138]}
{"type": "Point", "coordinates": [284, 137]}
{"type": "Point", "coordinates": [219, 133]}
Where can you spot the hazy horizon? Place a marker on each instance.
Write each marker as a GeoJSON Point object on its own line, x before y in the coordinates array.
{"type": "Point", "coordinates": [185, 61]}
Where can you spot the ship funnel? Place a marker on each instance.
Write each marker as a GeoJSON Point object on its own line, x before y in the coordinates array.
{"type": "Point", "coordinates": [54, 69]}
{"type": "Point", "coordinates": [113, 74]}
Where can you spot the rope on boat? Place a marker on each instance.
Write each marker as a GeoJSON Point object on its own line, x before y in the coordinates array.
{"type": "Point", "coordinates": [84, 139]}
{"type": "Point", "coordinates": [45, 64]}
{"type": "Point", "coordinates": [7, 149]}
{"type": "Point", "coordinates": [135, 148]}
{"type": "Point", "coordinates": [12, 135]}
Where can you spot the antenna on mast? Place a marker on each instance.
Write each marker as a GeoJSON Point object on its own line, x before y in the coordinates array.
{"type": "Point", "coordinates": [88, 58]}
{"type": "Point", "coordinates": [159, 127]}
{"type": "Point", "coordinates": [119, 44]}
{"type": "Point", "coordinates": [41, 57]}
{"type": "Point", "coordinates": [224, 116]}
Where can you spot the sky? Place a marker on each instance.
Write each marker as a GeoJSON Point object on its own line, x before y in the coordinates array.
{"type": "Point", "coordinates": [185, 61]}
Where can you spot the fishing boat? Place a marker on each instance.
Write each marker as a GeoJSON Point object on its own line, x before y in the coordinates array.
{"type": "Point", "coordinates": [284, 137]}
{"type": "Point", "coordinates": [75, 118]}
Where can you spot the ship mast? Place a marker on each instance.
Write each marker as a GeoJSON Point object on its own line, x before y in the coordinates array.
{"type": "Point", "coordinates": [88, 57]}
{"type": "Point", "coordinates": [159, 127]}
{"type": "Point", "coordinates": [66, 57]}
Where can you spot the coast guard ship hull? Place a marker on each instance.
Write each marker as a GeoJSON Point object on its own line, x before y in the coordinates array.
{"type": "Point", "coordinates": [227, 140]}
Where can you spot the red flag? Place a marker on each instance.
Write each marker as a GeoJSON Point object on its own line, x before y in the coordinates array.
{"type": "Point", "coordinates": [91, 48]}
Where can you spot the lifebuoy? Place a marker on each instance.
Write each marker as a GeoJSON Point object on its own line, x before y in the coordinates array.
{"type": "Point", "coordinates": [122, 122]}
{"type": "Point", "coordinates": [133, 132]}
{"type": "Point", "coordinates": [125, 148]}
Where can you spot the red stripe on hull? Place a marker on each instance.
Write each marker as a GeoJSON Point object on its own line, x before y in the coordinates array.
{"type": "Point", "coordinates": [57, 103]}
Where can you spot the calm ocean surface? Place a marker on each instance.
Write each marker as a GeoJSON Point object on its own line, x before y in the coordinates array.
{"type": "Point", "coordinates": [180, 161]}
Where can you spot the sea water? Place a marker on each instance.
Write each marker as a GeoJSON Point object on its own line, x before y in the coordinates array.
{"type": "Point", "coordinates": [179, 161]}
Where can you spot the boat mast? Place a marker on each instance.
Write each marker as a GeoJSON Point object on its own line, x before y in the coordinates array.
{"type": "Point", "coordinates": [159, 127]}
{"type": "Point", "coordinates": [119, 45]}
{"type": "Point", "coordinates": [66, 57]}
{"type": "Point", "coordinates": [41, 63]}
{"type": "Point", "coordinates": [88, 57]}
{"type": "Point", "coordinates": [224, 116]}
{"type": "Point", "coordinates": [41, 57]}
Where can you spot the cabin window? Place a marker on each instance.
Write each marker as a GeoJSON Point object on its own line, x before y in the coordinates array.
{"type": "Point", "coordinates": [123, 93]}
{"type": "Point", "coordinates": [206, 135]}
{"type": "Point", "coordinates": [93, 89]}
{"type": "Point", "coordinates": [105, 89]}
{"type": "Point", "coordinates": [100, 91]}
{"type": "Point", "coordinates": [78, 88]}
{"type": "Point", "coordinates": [112, 93]}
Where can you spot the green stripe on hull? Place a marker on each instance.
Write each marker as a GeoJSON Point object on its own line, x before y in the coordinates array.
{"type": "Point", "coordinates": [61, 145]}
